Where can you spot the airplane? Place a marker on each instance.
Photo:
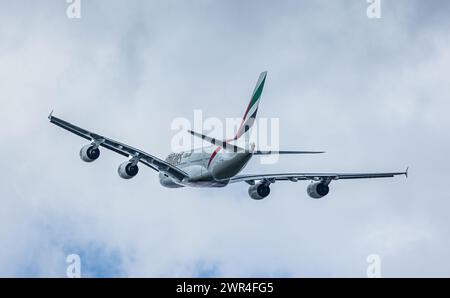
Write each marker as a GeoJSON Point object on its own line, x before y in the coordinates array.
{"type": "Point", "coordinates": [217, 165]}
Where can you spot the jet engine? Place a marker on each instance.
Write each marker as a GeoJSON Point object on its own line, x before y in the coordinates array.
{"type": "Point", "coordinates": [89, 153]}
{"type": "Point", "coordinates": [317, 190]}
{"type": "Point", "coordinates": [259, 191]}
{"type": "Point", "coordinates": [128, 170]}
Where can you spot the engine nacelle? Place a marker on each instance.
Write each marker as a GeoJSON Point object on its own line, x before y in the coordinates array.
{"type": "Point", "coordinates": [89, 153]}
{"type": "Point", "coordinates": [127, 170]}
{"type": "Point", "coordinates": [259, 191]}
{"type": "Point", "coordinates": [317, 190]}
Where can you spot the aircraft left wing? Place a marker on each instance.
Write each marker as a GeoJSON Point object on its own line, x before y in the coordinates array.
{"type": "Point", "coordinates": [328, 177]}
{"type": "Point", "coordinates": [123, 149]}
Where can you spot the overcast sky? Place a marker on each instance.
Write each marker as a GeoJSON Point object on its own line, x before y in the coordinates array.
{"type": "Point", "coordinates": [373, 93]}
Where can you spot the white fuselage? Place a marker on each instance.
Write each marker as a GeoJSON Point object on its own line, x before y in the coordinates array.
{"type": "Point", "coordinates": [207, 167]}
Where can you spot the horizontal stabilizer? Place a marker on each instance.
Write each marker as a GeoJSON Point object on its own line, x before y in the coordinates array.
{"type": "Point", "coordinates": [223, 144]}
{"type": "Point", "coordinates": [230, 147]}
{"type": "Point", "coordinates": [261, 152]}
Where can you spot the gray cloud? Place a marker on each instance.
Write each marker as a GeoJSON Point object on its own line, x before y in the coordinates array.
{"type": "Point", "coordinates": [372, 93]}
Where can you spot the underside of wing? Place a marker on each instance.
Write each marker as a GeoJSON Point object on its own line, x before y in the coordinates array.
{"type": "Point", "coordinates": [90, 152]}
{"type": "Point", "coordinates": [318, 188]}
{"type": "Point", "coordinates": [312, 176]}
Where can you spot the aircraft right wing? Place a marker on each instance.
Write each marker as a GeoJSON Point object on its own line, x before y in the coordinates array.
{"type": "Point", "coordinates": [312, 176]}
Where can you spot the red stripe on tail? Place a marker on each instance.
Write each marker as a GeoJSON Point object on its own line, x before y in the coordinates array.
{"type": "Point", "coordinates": [213, 155]}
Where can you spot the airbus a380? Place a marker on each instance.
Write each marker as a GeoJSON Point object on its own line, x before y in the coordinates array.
{"type": "Point", "coordinates": [215, 166]}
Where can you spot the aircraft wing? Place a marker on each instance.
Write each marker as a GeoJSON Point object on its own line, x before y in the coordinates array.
{"type": "Point", "coordinates": [313, 176]}
{"type": "Point", "coordinates": [123, 149]}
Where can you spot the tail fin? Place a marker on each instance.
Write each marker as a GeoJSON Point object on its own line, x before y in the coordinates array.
{"type": "Point", "coordinates": [250, 114]}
